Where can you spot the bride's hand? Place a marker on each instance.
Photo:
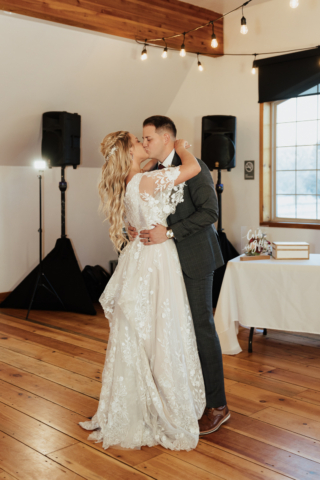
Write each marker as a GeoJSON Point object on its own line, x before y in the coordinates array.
{"type": "Point", "coordinates": [181, 144]}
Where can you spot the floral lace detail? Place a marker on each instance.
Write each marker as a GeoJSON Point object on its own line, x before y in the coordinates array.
{"type": "Point", "coordinates": [158, 191]}
{"type": "Point", "coordinates": [152, 385]}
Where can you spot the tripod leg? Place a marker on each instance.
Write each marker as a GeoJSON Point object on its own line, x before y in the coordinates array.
{"type": "Point", "coordinates": [53, 290]}
{"type": "Point", "coordinates": [33, 294]}
{"type": "Point", "coordinates": [250, 339]}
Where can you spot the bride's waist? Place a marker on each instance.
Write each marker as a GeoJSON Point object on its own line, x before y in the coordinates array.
{"type": "Point", "coordinates": [149, 227]}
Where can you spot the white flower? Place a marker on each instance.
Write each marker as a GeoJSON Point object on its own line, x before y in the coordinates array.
{"type": "Point", "coordinates": [166, 209]}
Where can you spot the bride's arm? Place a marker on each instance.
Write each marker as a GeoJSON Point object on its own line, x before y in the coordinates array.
{"type": "Point", "coordinates": [149, 166]}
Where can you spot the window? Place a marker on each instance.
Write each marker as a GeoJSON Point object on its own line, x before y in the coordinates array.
{"type": "Point", "coordinates": [290, 158]}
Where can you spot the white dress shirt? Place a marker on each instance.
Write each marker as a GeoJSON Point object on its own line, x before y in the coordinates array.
{"type": "Point", "coordinates": [168, 161]}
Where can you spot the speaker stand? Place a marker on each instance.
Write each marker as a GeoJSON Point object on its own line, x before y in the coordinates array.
{"type": "Point", "coordinates": [219, 189]}
{"type": "Point", "coordinates": [63, 187]}
{"type": "Point", "coordinates": [41, 276]}
{"type": "Point", "coordinates": [227, 249]}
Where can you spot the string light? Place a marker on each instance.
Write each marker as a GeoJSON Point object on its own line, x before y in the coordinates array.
{"type": "Point", "coordinates": [244, 28]}
{"type": "Point", "coordinates": [144, 54]}
{"type": "Point", "coordinates": [254, 65]}
{"type": "Point", "coordinates": [165, 50]}
{"type": "Point", "coordinates": [183, 48]}
{"type": "Point", "coordinates": [200, 67]}
{"type": "Point", "coordinates": [214, 42]}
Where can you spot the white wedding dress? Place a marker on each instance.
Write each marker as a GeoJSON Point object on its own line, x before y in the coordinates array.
{"type": "Point", "coordinates": [152, 385]}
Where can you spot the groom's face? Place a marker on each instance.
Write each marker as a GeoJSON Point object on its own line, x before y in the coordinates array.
{"type": "Point", "coordinates": [154, 143]}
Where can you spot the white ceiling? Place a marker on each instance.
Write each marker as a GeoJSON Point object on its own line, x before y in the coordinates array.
{"type": "Point", "coordinates": [222, 6]}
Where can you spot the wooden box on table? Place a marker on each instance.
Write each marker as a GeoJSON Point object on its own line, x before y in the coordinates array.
{"type": "Point", "coordinates": [291, 250]}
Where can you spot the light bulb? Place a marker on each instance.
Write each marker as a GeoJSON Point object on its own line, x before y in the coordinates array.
{"type": "Point", "coordinates": [164, 53]}
{"type": "Point", "coordinates": [294, 3]}
{"type": "Point", "coordinates": [182, 51]}
{"type": "Point", "coordinates": [244, 28]}
{"type": "Point", "coordinates": [144, 54]}
{"type": "Point", "coordinates": [254, 65]}
{"type": "Point", "coordinates": [214, 42]}
{"type": "Point", "coordinates": [40, 165]}
{"type": "Point", "coordinates": [200, 66]}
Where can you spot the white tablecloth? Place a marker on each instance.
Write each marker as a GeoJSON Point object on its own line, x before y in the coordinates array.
{"type": "Point", "coordinates": [276, 294]}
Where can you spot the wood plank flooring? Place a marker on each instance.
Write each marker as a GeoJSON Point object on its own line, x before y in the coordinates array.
{"type": "Point", "coordinates": [50, 379]}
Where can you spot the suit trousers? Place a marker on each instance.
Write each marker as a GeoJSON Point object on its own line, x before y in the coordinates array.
{"type": "Point", "coordinates": [200, 298]}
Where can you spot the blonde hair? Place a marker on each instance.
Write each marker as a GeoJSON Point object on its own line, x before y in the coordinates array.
{"type": "Point", "coordinates": [112, 187]}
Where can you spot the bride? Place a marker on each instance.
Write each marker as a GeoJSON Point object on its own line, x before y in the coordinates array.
{"type": "Point", "coordinates": [152, 385]}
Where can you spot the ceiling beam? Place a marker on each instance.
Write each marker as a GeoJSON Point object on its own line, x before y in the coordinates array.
{"type": "Point", "coordinates": [134, 19]}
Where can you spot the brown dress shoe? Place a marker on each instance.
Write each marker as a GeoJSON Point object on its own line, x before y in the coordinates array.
{"type": "Point", "coordinates": [212, 419]}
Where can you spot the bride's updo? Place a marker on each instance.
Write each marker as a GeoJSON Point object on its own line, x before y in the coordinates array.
{"type": "Point", "coordinates": [112, 187]}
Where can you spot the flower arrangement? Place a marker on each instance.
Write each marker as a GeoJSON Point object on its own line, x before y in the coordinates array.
{"type": "Point", "coordinates": [257, 244]}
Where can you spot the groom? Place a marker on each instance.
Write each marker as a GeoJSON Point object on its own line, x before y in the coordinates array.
{"type": "Point", "coordinates": [192, 229]}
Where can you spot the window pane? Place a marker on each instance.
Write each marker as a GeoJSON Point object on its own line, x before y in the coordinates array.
{"type": "Point", "coordinates": [307, 133]}
{"type": "Point", "coordinates": [286, 111]}
{"type": "Point", "coordinates": [310, 91]}
{"type": "Point", "coordinates": [307, 182]}
{"type": "Point", "coordinates": [286, 182]}
{"type": "Point", "coordinates": [286, 207]}
{"type": "Point", "coordinates": [318, 176]}
{"type": "Point", "coordinates": [318, 208]}
{"type": "Point", "coordinates": [286, 158]}
{"type": "Point", "coordinates": [306, 206]}
{"type": "Point", "coordinates": [286, 134]}
{"type": "Point", "coordinates": [306, 158]}
{"type": "Point", "coordinates": [319, 128]}
{"type": "Point", "coordinates": [307, 108]}
{"type": "Point", "coordinates": [318, 106]}
{"type": "Point", "coordinates": [319, 156]}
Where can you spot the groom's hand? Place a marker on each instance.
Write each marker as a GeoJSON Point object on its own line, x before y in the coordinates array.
{"type": "Point", "coordinates": [158, 234]}
{"type": "Point", "coordinates": [132, 232]}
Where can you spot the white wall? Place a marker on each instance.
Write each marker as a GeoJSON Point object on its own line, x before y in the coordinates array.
{"type": "Point", "coordinates": [46, 66]}
{"type": "Point", "coordinates": [227, 87]}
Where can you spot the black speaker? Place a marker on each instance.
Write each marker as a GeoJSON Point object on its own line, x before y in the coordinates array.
{"type": "Point", "coordinates": [61, 138]}
{"type": "Point", "coordinates": [218, 143]}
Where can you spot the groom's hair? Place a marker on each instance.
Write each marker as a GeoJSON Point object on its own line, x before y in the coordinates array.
{"type": "Point", "coordinates": [163, 123]}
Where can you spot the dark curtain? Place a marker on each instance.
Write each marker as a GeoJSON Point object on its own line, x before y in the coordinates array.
{"type": "Point", "coordinates": [287, 76]}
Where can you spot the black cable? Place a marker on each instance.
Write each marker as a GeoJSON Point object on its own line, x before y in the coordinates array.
{"type": "Point", "coordinates": [232, 54]}
{"type": "Point", "coordinates": [197, 28]}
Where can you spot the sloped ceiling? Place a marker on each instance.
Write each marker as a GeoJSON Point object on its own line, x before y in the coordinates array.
{"type": "Point", "coordinates": [46, 66]}
{"type": "Point", "coordinates": [133, 19]}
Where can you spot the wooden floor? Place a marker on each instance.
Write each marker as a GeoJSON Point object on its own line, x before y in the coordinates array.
{"type": "Point", "coordinates": [50, 372]}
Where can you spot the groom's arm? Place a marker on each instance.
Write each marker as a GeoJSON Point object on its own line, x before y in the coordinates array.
{"type": "Point", "coordinates": [204, 198]}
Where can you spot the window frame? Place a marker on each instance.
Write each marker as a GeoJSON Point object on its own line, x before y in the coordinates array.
{"type": "Point", "coordinates": [268, 172]}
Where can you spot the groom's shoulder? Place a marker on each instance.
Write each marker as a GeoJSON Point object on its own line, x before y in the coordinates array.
{"type": "Point", "coordinates": [204, 177]}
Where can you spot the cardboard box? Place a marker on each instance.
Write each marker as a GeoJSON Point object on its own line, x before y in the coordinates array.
{"type": "Point", "coordinates": [290, 250]}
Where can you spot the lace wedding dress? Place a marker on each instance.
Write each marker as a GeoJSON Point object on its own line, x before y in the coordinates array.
{"type": "Point", "coordinates": [152, 385]}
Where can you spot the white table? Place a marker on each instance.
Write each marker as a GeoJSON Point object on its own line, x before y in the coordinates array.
{"type": "Point", "coordinates": [276, 294]}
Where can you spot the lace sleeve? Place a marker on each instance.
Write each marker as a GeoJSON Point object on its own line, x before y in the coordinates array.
{"type": "Point", "coordinates": [158, 187]}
